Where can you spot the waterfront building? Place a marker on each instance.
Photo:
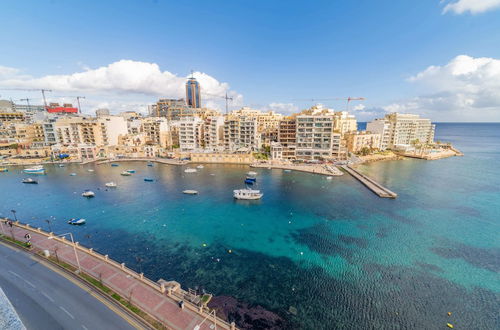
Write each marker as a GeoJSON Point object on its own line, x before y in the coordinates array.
{"type": "Point", "coordinates": [193, 95]}
{"type": "Point", "coordinates": [315, 137]}
{"type": "Point", "coordinates": [276, 151]}
{"type": "Point", "coordinates": [356, 141]}
{"type": "Point", "coordinates": [287, 137]}
{"type": "Point", "coordinates": [8, 116]}
{"type": "Point", "coordinates": [344, 122]}
{"type": "Point", "coordinates": [213, 133]}
{"type": "Point", "coordinates": [190, 134]}
{"type": "Point", "coordinates": [173, 109]}
{"type": "Point", "coordinates": [111, 127]}
{"type": "Point", "coordinates": [400, 131]}
{"type": "Point", "coordinates": [241, 132]}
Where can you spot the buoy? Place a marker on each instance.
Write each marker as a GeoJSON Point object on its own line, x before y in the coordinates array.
{"type": "Point", "coordinates": [449, 325]}
{"type": "Point", "coordinates": [204, 244]}
{"type": "Point", "coordinates": [301, 253]}
{"type": "Point", "coordinates": [230, 251]}
{"type": "Point", "coordinates": [449, 313]}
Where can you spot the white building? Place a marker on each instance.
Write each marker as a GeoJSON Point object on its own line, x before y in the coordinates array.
{"type": "Point", "coordinates": [190, 133]}
{"type": "Point", "coordinates": [111, 128]}
{"type": "Point", "coordinates": [315, 137]}
{"type": "Point", "coordinates": [213, 133]}
{"type": "Point", "coordinates": [241, 132]}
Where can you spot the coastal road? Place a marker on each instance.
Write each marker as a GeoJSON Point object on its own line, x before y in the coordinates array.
{"type": "Point", "coordinates": [45, 299]}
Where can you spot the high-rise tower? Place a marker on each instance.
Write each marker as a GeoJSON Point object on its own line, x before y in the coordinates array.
{"type": "Point", "coordinates": [193, 97]}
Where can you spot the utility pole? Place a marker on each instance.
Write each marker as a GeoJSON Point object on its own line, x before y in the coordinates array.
{"type": "Point", "coordinates": [78, 101]}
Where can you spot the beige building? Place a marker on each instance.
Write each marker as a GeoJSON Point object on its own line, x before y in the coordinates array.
{"type": "Point", "coordinates": [314, 137]}
{"type": "Point", "coordinates": [287, 137]}
{"type": "Point", "coordinates": [157, 131]}
{"type": "Point", "coordinates": [344, 122]}
{"type": "Point", "coordinates": [359, 140]}
{"type": "Point", "coordinates": [190, 134]}
{"type": "Point", "coordinates": [241, 132]}
{"type": "Point", "coordinates": [213, 133]}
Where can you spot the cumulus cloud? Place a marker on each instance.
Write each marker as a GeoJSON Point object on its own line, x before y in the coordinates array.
{"type": "Point", "coordinates": [123, 78]}
{"type": "Point", "coordinates": [471, 6]}
{"type": "Point", "coordinates": [283, 108]}
{"type": "Point", "coordinates": [358, 107]}
{"type": "Point", "coordinates": [466, 88]}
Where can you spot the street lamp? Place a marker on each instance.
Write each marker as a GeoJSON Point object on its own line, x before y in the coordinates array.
{"type": "Point", "coordinates": [14, 212]}
{"type": "Point", "coordinates": [74, 248]}
{"type": "Point", "coordinates": [48, 222]}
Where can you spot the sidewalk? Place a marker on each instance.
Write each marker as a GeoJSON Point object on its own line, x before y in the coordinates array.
{"type": "Point", "coordinates": [156, 299]}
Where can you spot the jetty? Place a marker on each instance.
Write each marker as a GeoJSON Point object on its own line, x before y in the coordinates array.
{"type": "Point", "coordinates": [371, 184]}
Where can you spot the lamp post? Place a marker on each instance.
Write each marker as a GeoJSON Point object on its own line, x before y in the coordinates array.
{"type": "Point", "coordinates": [48, 222]}
{"type": "Point", "coordinates": [14, 213]}
{"type": "Point", "coordinates": [74, 248]}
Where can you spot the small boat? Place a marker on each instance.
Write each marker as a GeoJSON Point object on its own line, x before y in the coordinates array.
{"type": "Point", "coordinates": [251, 178]}
{"type": "Point", "coordinates": [35, 170]}
{"type": "Point", "coordinates": [248, 181]}
{"type": "Point", "coordinates": [247, 193]}
{"type": "Point", "coordinates": [200, 166]}
{"type": "Point", "coordinates": [72, 174]}
{"type": "Point", "coordinates": [61, 165]}
{"type": "Point", "coordinates": [76, 221]}
{"type": "Point", "coordinates": [190, 170]}
{"type": "Point", "coordinates": [29, 181]}
{"type": "Point", "coordinates": [131, 171]}
{"type": "Point", "coordinates": [150, 164]}
{"type": "Point", "coordinates": [126, 173]}
{"type": "Point", "coordinates": [88, 194]}
{"type": "Point", "coordinates": [4, 169]}
{"type": "Point", "coordinates": [110, 184]}
{"type": "Point", "coordinates": [90, 170]}
{"type": "Point", "coordinates": [329, 177]}
{"type": "Point", "coordinates": [252, 173]}
{"type": "Point", "coordinates": [190, 192]}
{"type": "Point", "coordinates": [287, 170]}
{"type": "Point", "coordinates": [148, 179]}
{"type": "Point", "coordinates": [114, 165]}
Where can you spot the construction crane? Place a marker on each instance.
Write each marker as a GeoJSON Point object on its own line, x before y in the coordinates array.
{"type": "Point", "coordinates": [226, 98]}
{"type": "Point", "coordinates": [349, 99]}
{"type": "Point", "coordinates": [78, 101]}
{"type": "Point", "coordinates": [27, 102]}
{"type": "Point", "coordinates": [31, 90]}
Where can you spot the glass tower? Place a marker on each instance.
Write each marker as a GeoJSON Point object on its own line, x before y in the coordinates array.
{"type": "Point", "coordinates": [193, 96]}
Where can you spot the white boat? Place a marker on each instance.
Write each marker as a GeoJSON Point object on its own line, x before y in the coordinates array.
{"type": "Point", "coordinates": [131, 171]}
{"type": "Point", "coordinates": [88, 194]}
{"type": "Point", "coordinates": [35, 169]}
{"type": "Point", "coordinates": [190, 192]}
{"type": "Point", "coordinates": [190, 170]}
{"type": "Point", "coordinates": [329, 177]}
{"type": "Point", "coordinates": [72, 174]}
{"type": "Point", "coordinates": [29, 181]}
{"type": "Point", "coordinates": [287, 170]}
{"type": "Point", "coordinates": [247, 194]}
{"type": "Point", "coordinates": [252, 173]}
{"type": "Point", "coordinates": [90, 170]}
{"type": "Point", "coordinates": [76, 221]}
{"type": "Point", "coordinates": [61, 165]}
{"type": "Point", "coordinates": [110, 184]}
{"type": "Point", "coordinates": [126, 173]}
{"type": "Point", "coordinates": [200, 166]}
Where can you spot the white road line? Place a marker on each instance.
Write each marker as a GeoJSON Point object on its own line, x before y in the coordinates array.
{"type": "Point", "coordinates": [48, 297]}
{"type": "Point", "coordinates": [84, 327]}
{"type": "Point", "coordinates": [15, 274]}
{"type": "Point", "coordinates": [31, 284]}
{"type": "Point", "coordinates": [65, 311]}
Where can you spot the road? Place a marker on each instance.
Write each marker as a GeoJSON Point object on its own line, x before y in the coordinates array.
{"type": "Point", "coordinates": [45, 299]}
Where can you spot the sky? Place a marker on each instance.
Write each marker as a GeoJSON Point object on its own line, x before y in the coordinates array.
{"type": "Point", "coordinates": [436, 58]}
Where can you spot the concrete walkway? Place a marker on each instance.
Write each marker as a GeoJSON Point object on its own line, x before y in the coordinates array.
{"type": "Point", "coordinates": [160, 305]}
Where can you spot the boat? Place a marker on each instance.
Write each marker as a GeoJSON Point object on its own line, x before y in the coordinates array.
{"type": "Point", "coordinates": [200, 166]}
{"type": "Point", "coordinates": [148, 179]}
{"type": "Point", "coordinates": [131, 171]}
{"type": "Point", "coordinates": [88, 194]}
{"type": "Point", "coordinates": [72, 174]}
{"type": "Point", "coordinates": [29, 181]}
{"type": "Point", "coordinates": [150, 164]}
{"type": "Point", "coordinates": [125, 173]}
{"type": "Point", "coordinates": [329, 177]}
{"type": "Point", "coordinates": [4, 169]}
{"type": "Point", "coordinates": [61, 165]}
{"type": "Point", "coordinates": [76, 221]}
{"type": "Point", "coordinates": [114, 165]}
{"type": "Point", "coordinates": [251, 178]}
{"type": "Point", "coordinates": [247, 193]}
{"type": "Point", "coordinates": [90, 170]}
{"type": "Point", "coordinates": [287, 170]}
{"type": "Point", "coordinates": [35, 170]}
{"type": "Point", "coordinates": [190, 192]}
{"type": "Point", "coordinates": [110, 184]}
{"type": "Point", "coordinates": [252, 173]}
{"type": "Point", "coordinates": [248, 181]}
{"type": "Point", "coordinates": [190, 170]}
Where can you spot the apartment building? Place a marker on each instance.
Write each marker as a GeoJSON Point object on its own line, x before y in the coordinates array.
{"type": "Point", "coordinates": [356, 141]}
{"type": "Point", "coordinates": [190, 134]}
{"type": "Point", "coordinates": [315, 137]}
{"type": "Point", "coordinates": [213, 133]}
{"type": "Point", "coordinates": [344, 122]}
{"type": "Point", "coordinates": [157, 131]}
{"type": "Point", "coordinates": [241, 132]}
{"type": "Point", "coordinates": [287, 137]}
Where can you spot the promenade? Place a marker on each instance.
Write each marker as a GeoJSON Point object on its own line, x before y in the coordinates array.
{"type": "Point", "coordinates": [322, 169]}
{"type": "Point", "coordinates": [161, 300]}
{"type": "Point", "coordinates": [153, 160]}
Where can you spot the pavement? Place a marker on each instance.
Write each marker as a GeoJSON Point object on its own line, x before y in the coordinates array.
{"type": "Point", "coordinates": [45, 299]}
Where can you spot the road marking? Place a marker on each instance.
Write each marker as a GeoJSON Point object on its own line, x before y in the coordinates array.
{"type": "Point", "coordinates": [48, 297]}
{"type": "Point", "coordinates": [31, 284]}
{"type": "Point", "coordinates": [84, 327]}
{"type": "Point", "coordinates": [65, 311]}
{"type": "Point", "coordinates": [15, 274]}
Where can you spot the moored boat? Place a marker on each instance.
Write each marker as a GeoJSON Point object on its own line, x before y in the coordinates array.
{"type": "Point", "coordinates": [131, 171]}
{"type": "Point", "coordinates": [110, 184]}
{"type": "Point", "coordinates": [114, 165]}
{"type": "Point", "coordinates": [90, 170]}
{"type": "Point", "coordinates": [72, 174]}
{"type": "Point", "coordinates": [249, 194]}
{"type": "Point", "coordinates": [148, 179]}
{"type": "Point", "coordinates": [29, 181]}
{"type": "Point", "coordinates": [252, 173]}
{"type": "Point", "coordinates": [88, 194]}
{"type": "Point", "coordinates": [125, 173]}
{"type": "Point", "coordinates": [190, 170]}
{"type": "Point", "coordinates": [150, 164]}
{"type": "Point", "coordinates": [35, 170]}
{"type": "Point", "coordinates": [200, 166]}
{"type": "Point", "coordinates": [190, 192]}
{"type": "Point", "coordinates": [248, 181]}
{"type": "Point", "coordinates": [251, 178]}
{"type": "Point", "coordinates": [76, 221]}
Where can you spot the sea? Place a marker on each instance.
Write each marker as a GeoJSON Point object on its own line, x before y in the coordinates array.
{"type": "Point", "coordinates": [312, 253]}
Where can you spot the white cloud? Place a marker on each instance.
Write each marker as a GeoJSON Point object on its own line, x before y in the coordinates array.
{"type": "Point", "coordinates": [464, 89]}
{"type": "Point", "coordinates": [358, 107]}
{"type": "Point", "coordinates": [283, 108]}
{"type": "Point", "coordinates": [471, 6]}
{"type": "Point", "coordinates": [122, 79]}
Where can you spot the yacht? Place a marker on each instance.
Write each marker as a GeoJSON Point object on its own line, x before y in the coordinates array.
{"type": "Point", "coordinates": [29, 180]}
{"type": "Point", "coordinates": [35, 169]}
{"type": "Point", "coordinates": [110, 184]}
{"type": "Point", "coordinates": [131, 171]}
{"type": "Point", "coordinates": [75, 221]}
{"type": "Point", "coordinates": [190, 192]}
{"type": "Point", "coordinates": [247, 194]}
{"type": "Point", "coordinates": [190, 170]}
{"type": "Point", "coordinates": [126, 173]}
{"type": "Point", "coordinates": [88, 194]}
{"type": "Point", "coordinates": [200, 166]}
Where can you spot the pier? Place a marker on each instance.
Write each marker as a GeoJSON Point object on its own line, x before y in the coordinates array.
{"type": "Point", "coordinates": [371, 184]}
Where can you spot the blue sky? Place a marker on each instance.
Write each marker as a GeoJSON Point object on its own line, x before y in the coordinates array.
{"type": "Point", "coordinates": [268, 54]}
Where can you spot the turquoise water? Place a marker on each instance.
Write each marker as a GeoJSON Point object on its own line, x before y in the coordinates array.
{"type": "Point", "coordinates": [343, 257]}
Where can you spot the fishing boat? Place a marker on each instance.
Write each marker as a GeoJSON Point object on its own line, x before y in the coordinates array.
{"type": "Point", "coordinates": [88, 194]}
{"type": "Point", "coordinates": [190, 192]}
{"type": "Point", "coordinates": [35, 170]}
{"type": "Point", "coordinates": [150, 164]}
{"type": "Point", "coordinates": [72, 174]}
{"type": "Point", "coordinates": [248, 181]}
{"type": "Point", "coordinates": [111, 184]}
{"type": "Point", "coordinates": [131, 171]}
{"type": "Point", "coordinates": [148, 179]}
{"type": "Point", "coordinates": [126, 173]}
{"type": "Point", "coordinates": [200, 166]}
{"type": "Point", "coordinates": [76, 221]}
{"type": "Point", "coordinates": [190, 170]}
{"type": "Point", "coordinates": [249, 194]}
{"type": "Point", "coordinates": [4, 169]}
{"type": "Point", "coordinates": [29, 181]}
{"type": "Point", "coordinates": [114, 165]}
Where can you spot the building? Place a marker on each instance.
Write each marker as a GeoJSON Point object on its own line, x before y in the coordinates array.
{"type": "Point", "coordinates": [190, 134]}
{"type": "Point", "coordinates": [287, 137]}
{"type": "Point", "coordinates": [65, 108]}
{"type": "Point", "coordinates": [400, 131]}
{"type": "Point", "coordinates": [356, 141]}
{"type": "Point", "coordinates": [213, 133]}
{"type": "Point", "coordinates": [172, 109]}
{"type": "Point", "coordinates": [111, 128]}
{"type": "Point", "coordinates": [157, 131]}
{"type": "Point", "coordinates": [240, 132]}
{"type": "Point", "coordinates": [344, 122]}
{"type": "Point", "coordinates": [315, 137]}
{"type": "Point", "coordinates": [102, 112]}
{"type": "Point", "coordinates": [193, 96]}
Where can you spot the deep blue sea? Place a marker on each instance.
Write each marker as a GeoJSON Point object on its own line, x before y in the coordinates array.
{"type": "Point", "coordinates": [340, 255]}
